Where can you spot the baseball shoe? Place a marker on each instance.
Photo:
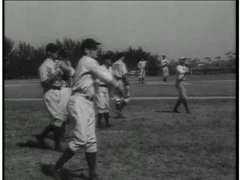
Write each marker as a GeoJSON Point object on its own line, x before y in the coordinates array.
{"type": "Point", "coordinates": [94, 177]}
{"type": "Point", "coordinates": [58, 149]}
{"type": "Point", "coordinates": [56, 174]}
{"type": "Point", "coordinates": [176, 111]}
{"type": "Point", "coordinates": [120, 114]}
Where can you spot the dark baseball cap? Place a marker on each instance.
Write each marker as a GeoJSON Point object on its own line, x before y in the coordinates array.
{"type": "Point", "coordinates": [63, 53]}
{"type": "Point", "coordinates": [89, 43]}
{"type": "Point", "coordinates": [51, 47]}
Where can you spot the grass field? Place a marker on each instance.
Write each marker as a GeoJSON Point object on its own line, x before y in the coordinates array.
{"type": "Point", "coordinates": [150, 144]}
{"type": "Point", "coordinates": [199, 85]}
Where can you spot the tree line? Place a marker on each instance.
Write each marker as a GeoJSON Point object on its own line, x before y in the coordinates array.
{"type": "Point", "coordinates": [23, 60]}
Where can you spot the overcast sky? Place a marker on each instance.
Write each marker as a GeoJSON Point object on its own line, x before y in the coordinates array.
{"type": "Point", "coordinates": [192, 29]}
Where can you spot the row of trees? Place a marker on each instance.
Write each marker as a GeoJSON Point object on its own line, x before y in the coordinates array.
{"type": "Point", "coordinates": [23, 60]}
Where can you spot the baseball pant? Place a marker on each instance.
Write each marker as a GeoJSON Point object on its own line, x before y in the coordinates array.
{"type": "Point", "coordinates": [142, 73]}
{"type": "Point", "coordinates": [81, 111]}
{"type": "Point", "coordinates": [102, 100]}
{"type": "Point", "coordinates": [126, 97]}
{"type": "Point", "coordinates": [165, 72]}
{"type": "Point", "coordinates": [56, 102]}
{"type": "Point", "coordinates": [182, 90]}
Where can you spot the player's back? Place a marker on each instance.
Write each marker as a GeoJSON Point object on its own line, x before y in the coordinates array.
{"type": "Point", "coordinates": [119, 69]}
{"type": "Point", "coordinates": [83, 80]}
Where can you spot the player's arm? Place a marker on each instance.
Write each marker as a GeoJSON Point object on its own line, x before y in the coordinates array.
{"type": "Point", "coordinates": [103, 74]}
{"type": "Point", "coordinates": [67, 68]}
{"type": "Point", "coordinates": [138, 65]}
{"type": "Point", "coordinates": [46, 76]}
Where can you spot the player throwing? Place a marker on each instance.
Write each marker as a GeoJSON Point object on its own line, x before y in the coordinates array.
{"type": "Point", "coordinates": [81, 107]}
{"type": "Point", "coordinates": [181, 85]}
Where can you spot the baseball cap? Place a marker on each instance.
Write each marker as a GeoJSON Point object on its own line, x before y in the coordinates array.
{"type": "Point", "coordinates": [89, 43]}
{"type": "Point", "coordinates": [63, 53]}
{"type": "Point", "coordinates": [52, 47]}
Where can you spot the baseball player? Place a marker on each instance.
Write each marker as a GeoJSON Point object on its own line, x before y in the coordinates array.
{"type": "Point", "coordinates": [181, 85]}
{"type": "Point", "coordinates": [164, 65]}
{"type": "Point", "coordinates": [142, 67]}
{"type": "Point", "coordinates": [102, 98]}
{"type": "Point", "coordinates": [81, 107]}
{"type": "Point", "coordinates": [120, 72]}
{"type": "Point", "coordinates": [63, 56]}
{"type": "Point", "coordinates": [56, 95]}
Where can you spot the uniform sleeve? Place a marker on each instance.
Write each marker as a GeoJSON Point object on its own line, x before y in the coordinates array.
{"type": "Point", "coordinates": [124, 70]}
{"type": "Point", "coordinates": [44, 72]}
{"type": "Point", "coordinates": [180, 70]}
{"type": "Point", "coordinates": [98, 71]}
{"type": "Point", "coordinates": [72, 71]}
{"type": "Point", "coordinates": [138, 64]}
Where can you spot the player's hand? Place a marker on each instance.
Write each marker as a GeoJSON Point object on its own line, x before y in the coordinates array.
{"type": "Point", "coordinates": [59, 72]}
{"type": "Point", "coordinates": [63, 66]}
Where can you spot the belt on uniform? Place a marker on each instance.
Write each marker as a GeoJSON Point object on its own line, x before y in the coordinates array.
{"type": "Point", "coordinates": [103, 85]}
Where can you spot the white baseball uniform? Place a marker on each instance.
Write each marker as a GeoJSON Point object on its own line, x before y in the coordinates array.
{"type": "Point", "coordinates": [142, 68]}
{"type": "Point", "coordinates": [102, 97]}
{"type": "Point", "coordinates": [81, 105]}
{"type": "Point", "coordinates": [56, 95]}
{"type": "Point", "coordinates": [165, 71]}
{"type": "Point", "coordinates": [180, 81]}
{"type": "Point", "coordinates": [119, 70]}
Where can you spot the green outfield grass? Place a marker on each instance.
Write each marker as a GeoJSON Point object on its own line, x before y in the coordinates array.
{"type": "Point", "coordinates": [195, 88]}
{"type": "Point", "coordinates": [148, 78]}
{"type": "Point", "coordinates": [150, 144]}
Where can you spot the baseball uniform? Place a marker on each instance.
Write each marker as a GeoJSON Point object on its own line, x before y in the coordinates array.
{"type": "Point", "coordinates": [142, 68]}
{"type": "Point", "coordinates": [56, 95]}
{"type": "Point", "coordinates": [102, 98]}
{"type": "Point", "coordinates": [119, 70]}
{"type": "Point", "coordinates": [165, 71]}
{"type": "Point", "coordinates": [81, 105]}
{"type": "Point", "coordinates": [55, 98]}
{"type": "Point", "coordinates": [181, 86]}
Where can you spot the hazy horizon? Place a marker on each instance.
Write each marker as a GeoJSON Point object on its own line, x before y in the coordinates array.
{"type": "Point", "coordinates": [192, 29]}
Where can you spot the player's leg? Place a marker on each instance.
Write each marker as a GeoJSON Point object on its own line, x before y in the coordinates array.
{"type": "Point", "coordinates": [78, 113]}
{"type": "Point", "coordinates": [91, 145]}
{"type": "Point", "coordinates": [106, 109]}
{"type": "Point", "coordinates": [179, 101]}
{"type": "Point", "coordinates": [51, 100]}
{"type": "Point", "coordinates": [143, 76]}
{"type": "Point", "coordinates": [99, 103]}
{"type": "Point", "coordinates": [184, 97]}
{"type": "Point", "coordinates": [167, 74]}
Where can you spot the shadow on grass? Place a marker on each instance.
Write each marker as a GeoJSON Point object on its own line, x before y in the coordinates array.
{"type": "Point", "coordinates": [33, 144]}
{"type": "Point", "coordinates": [164, 111]}
{"type": "Point", "coordinates": [64, 174]}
